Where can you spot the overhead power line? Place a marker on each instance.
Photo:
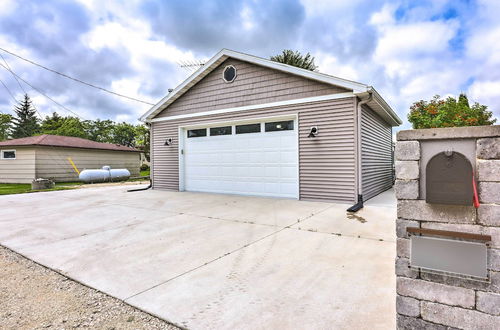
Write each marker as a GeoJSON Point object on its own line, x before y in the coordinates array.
{"type": "Point", "coordinates": [8, 90]}
{"type": "Point", "coordinates": [8, 66]}
{"type": "Point", "coordinates": [42, 93]}
{"type": "Point", "coordinates": [75, 79]}
{"type": "Point", "coordinates": [21, 86]}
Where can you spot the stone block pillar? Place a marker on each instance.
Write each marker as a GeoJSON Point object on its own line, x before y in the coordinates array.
{"type": "Point", "coordinates": [434, 300]}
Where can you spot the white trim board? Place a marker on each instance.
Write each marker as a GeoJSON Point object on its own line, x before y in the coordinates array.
{"type": "Point", "coordinates": [257, 106]}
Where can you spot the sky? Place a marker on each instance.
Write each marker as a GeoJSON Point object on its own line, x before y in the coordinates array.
{"type": "Point", "coordinates": [408, 50]}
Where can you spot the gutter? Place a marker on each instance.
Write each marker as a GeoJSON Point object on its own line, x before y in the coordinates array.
{"type": "Point", "coordinates": [359, 205]}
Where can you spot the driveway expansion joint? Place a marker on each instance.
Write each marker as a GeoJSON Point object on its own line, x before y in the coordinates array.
{"type": "Point", "coordinates": [227, 254]}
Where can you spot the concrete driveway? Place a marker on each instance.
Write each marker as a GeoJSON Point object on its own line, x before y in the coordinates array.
{"type": "Point", "coordinates": [207, 261]}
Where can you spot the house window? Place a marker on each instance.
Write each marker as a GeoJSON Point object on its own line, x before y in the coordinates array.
{"type": "Point", "coordinates": [197, 132]}
{"type": "Point", "coordinates": [279, 126]}
{"type": "Point", "coordinates": [250, 128]}
{"type": "Point", "coordinates": [229, 74]}
{"type": "Point", "coordinates": [226, 130]}
{"type": "Point", "coordinates": [8, 154]}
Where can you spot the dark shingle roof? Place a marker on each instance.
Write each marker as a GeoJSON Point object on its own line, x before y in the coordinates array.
{"type": "Point", "coordinates": [64, 141]}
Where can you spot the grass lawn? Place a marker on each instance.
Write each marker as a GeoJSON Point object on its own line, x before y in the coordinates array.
{"type": "Point", "coordinates": [21, 188]}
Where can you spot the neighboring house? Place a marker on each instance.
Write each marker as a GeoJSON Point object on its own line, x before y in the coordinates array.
{"type": "Point", "coordinates": [242, 125]}
{"type": "Point", "coordinates": [46, 156]}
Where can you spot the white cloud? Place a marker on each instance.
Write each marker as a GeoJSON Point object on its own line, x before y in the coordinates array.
{"type": "Point", "coordinates": [7, 7]}
{"type": "Point", "coordinates": [331, 65]}
{"type": "Point", "coordinates": [246, 17]}
{"type": "Point", "coordinates": [487, 93]}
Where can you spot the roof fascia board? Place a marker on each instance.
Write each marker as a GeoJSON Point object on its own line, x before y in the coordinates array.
{"type": "Point", "coordinates": [383, 104]}
{"type": "Point", "coordinates": [257, 106]}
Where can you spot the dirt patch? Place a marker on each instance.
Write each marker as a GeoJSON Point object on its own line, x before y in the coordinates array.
{"type": "Point", "coordinates": [34, 297]}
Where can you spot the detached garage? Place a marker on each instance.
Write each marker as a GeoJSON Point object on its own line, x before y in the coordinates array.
{"type": "Point", "coordinates": [247, 125]}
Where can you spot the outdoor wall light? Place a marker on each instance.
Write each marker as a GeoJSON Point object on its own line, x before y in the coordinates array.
{"type": "Point", "coordinates": [314, 132]}
{"type": "Point", "coordinates": [168, 142]}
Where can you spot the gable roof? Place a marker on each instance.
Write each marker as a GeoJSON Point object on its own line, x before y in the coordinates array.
{"type": "Point", "coordinates": [377, 103]}
{"type": "Point", "coordinates": [47, 140]}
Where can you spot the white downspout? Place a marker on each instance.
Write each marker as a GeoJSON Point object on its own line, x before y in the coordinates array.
{"type": "Point", "coordinates": [359, 164]}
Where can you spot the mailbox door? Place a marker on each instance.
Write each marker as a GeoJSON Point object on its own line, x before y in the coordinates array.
{"type": "Point", "coordinates": [449, 179]}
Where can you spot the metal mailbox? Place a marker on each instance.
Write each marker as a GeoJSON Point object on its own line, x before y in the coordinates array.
{"type": "Point", "coordinates": [449, 179]}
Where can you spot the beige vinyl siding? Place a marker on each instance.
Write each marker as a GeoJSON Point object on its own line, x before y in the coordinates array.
{"type": "Point", "coordinates": [253, 85]}
{"type": "Point", "coordinates": [326, 163]}
{"type": "Point", "coordinates": [52, 162]}
{"type": "Point", "coordinates": [376, 142]}
{"type": "Point", "coordinates": [19, 170]}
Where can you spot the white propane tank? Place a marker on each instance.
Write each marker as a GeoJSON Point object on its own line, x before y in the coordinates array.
{"type": "Point", "coordinates": [105, 174]}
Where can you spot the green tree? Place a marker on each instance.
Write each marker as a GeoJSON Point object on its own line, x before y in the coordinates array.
{"type": "Point", "coordinates": [25, 123]}
{"type": "Point", "coordinates": [5, 126]}
{"type": "Point", "coordinates": [142, 139]}
{"type": "Point", "coordinates": [449, 113]}
{"type": "Point", "coordinates": [65, 126]}
{"type": "Point", "coordinates": [295, 58]}
{"type": "Point", "coordinates": [124, 134]}
{"type": "Point", "coordinates": [99, 130]}
{"type": "Point", "coordinates": [51, 123]}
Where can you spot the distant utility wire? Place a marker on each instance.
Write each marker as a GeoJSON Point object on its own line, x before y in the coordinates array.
{"type": "Point", "coordinates": [8, 90]}
{"type": "Point", "coordinates": [8, 66]}
{"type": "Point", "coordinates": [75, 79]}
{"type": "Point", "coordinates": [39, 91]}
{"type": "Point", "coordinates": [21, 86]}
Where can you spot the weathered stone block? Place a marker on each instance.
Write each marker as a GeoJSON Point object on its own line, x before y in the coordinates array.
{"type": "Point", "coordinates": [42, 184]}
{"type": "Point", "coordinates": [407, 170]}
{"type": "Point", "coordinates": [412, 323]}
{"type": "Point", "coordinates": [464, 282]}
{"type": "Point", "coordinates": [420, 210]}
{"type": "Point", "coordinates": [402, 224]}
{"type": "Point", "coordinates": [488, 148]}
{"type": "Point", "coordinates": [494, 259]}
{"type": "Point", "coordinates": [458, 317]}
{"type": "Point", "coordinates": [435, 292]}
{"type": "Point", "coordinates": [489, 192]}
{"type": "Point", "coordinates": [494, 232]}
{"type": "Point", "coordinates": [407, 306]}
{"type": "Point", "coordinates": [407, 150]}
{"type": "Point", "coordinates": [494, 282]}
{"type": "Point", "coordinates": [403, 268]}
{"type": "Point", "coordinates": [487, 302]}
{"type": "Point", "coordinates": [403, 247]}
{"type": "Point", "coordinates": [488, 215]}
{"type": "Point", "coordinates": [488, 170]}
{"type": "Point", "coordinates": [406, 189]}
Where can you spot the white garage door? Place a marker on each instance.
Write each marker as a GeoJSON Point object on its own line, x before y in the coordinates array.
{"type": "Point", "coordinates": [249, 159]}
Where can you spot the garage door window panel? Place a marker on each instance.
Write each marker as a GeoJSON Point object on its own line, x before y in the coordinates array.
{"type": "Point", "coordinates": [215, 131]}
{"type": "Point", "coordinates": [192, 133]}
{"type": "Point", "coordinates": [279, 126]}
{"type": "Point", "coordinates": [250, 128]}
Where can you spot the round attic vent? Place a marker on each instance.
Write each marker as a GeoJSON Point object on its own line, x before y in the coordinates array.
{"type": "Point", "coordinates": [229, 74]}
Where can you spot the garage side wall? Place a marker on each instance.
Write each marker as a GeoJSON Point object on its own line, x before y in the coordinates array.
{"type": "Point", "coordinates": [376, 151]}
{"type": "Point", "coordinates": [326, 163]}
{"type": "Point", "coordinates": [52, 162]}
{"type": "Point", "coordinates": [19, 170]}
